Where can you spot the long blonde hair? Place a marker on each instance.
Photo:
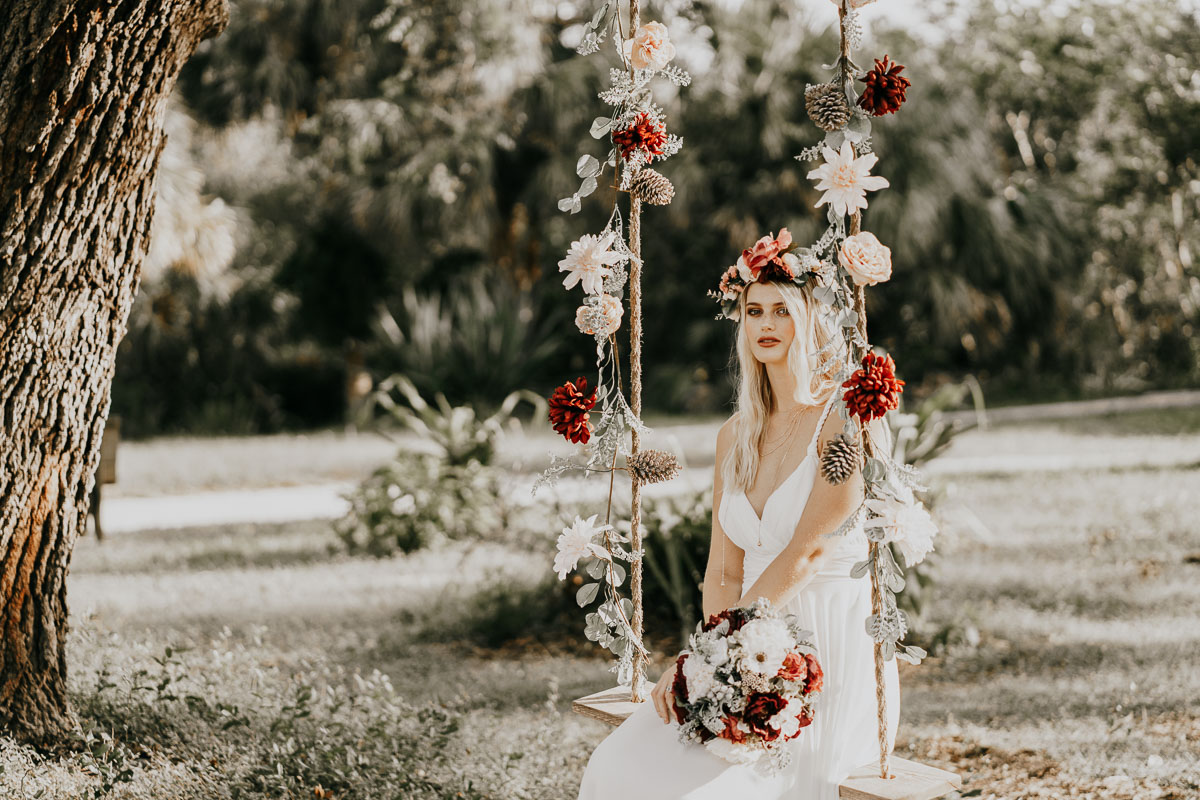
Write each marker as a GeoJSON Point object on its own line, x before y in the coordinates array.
{"type": "Point", "coordinates": [756, 398]}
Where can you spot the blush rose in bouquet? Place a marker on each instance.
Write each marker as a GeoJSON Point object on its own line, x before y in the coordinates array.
{"type": "Point", "coordinates": [748, 682]}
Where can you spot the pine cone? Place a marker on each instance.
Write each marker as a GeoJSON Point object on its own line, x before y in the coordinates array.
{"type": "Point", "coordinates": [839, 459]}
{"type": "Point", "coordinates": [652, 187]}
{"type": "Point", "coordinates": [652, 466]}
{"type": "Point", "coordinates": [827, 106]}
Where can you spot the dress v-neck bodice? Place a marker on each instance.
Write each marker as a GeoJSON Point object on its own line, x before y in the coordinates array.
{"type": "Point", "coordinates": [781, 513]}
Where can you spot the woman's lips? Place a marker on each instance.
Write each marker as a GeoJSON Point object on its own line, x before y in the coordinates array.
{"type": "Point", "coordinates": [768, 341]}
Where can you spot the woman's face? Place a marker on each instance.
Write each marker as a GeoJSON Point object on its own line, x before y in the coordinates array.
{"type": "Point", "coordinates": [769, 327]}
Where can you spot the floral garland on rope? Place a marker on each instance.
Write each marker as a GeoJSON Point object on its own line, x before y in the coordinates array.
{"type": "Point", "coordinates": [637, 133]}
{"type": "Point", "coordinates": [895, 515]}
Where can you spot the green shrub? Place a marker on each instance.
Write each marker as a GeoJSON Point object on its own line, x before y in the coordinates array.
{"type": "Point", "coordinates": [421, 498]}
{"type": "Point", "coordinates": [418, 500]}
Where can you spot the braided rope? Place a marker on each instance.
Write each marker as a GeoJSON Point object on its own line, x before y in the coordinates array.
{"type": "Point", "coordinates": [860, 306]}
{"type": "Point", "coordinates": [635, 393]}
{"type": "Point", "coordinates": [635, 399]}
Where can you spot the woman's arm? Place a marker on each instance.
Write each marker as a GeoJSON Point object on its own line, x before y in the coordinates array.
{"type": "Point", "coordinates": [827, 508]}
{"type": "Point", "coordinates": [714, 596]}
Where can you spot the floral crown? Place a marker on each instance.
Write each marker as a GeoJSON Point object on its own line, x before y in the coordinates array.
{"type": "Point", "coordinates": [772, 258]}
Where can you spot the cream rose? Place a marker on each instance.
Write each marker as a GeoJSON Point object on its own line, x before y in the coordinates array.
{"type": "Point", "coordinates": [650, 47]}
{"type": "Point", "coordinates": [866, 259]}
{"type": "Point", "coordinates": [599, 313]}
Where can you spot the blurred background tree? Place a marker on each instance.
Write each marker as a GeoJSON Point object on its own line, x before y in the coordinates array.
{"type": "Point", "coordinates": [378, 182]}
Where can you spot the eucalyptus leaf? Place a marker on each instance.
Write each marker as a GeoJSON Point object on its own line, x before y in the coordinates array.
{"type": "Point", "coordinates": [889, 561]}
{"type": "Point", "coordinates": [597, 567]}
{"type": "Point", "coordinates": [835, 139]}
{"type": "Point", "coordinates": [848, 318]}
{"type": "Point", "coordinates": [618, 574]}
{"type": "Point", "coordinates": [915, 651]}
{"type": "Point", "coordinates": [598, 17]}
{"type": "Point", "coordinates": [860, 568]}
{"type": "Point", "coordinates": [587, 187]}
{"type": "Point", "coordinates": [586, 594]}
{"type": "Point", "coordinates": [619, 645]}
{"type": "Point", "coordinates": [600, 127]}
{"type": "Point", "coordinates": [595, 627]}
{"type": "Point", "coordinates": [874, 470]}
{"type": "Point", "coordinates": [608, 612]}
{"type": "Point", "coordinates": [889, 650]}
{"type": "Point", "coordinates": [627, 605]}
{"type": "Point", "coordinates": [825, 294]}
{"type": "Point", "coordinates": [896, 583]}
{"type": "Point", "coordinates": [587, 165]}
{"type": "Point", "coordinates": [860, 125]}
{"type": "Point", "coordinates": [571, 204]}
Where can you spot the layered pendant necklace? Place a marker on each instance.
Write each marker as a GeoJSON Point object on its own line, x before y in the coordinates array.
{"type": "Point", "coordinates": [789, 438]}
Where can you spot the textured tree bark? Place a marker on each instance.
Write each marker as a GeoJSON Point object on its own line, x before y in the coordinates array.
{"type": "Point", "coordinates": [83, 89]}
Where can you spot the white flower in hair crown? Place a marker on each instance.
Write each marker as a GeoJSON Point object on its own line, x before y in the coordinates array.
{"type": "Point", "coordinates": [772, 258]}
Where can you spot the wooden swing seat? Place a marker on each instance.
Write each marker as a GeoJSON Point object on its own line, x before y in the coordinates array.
{"type": "Point", "coordinates": [910, 781]}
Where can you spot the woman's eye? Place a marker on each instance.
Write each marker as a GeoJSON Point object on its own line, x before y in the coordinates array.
{"type": "Point", "coordinates": [753, 312]}
{"type": "Point", "coordinates": [783, 311]}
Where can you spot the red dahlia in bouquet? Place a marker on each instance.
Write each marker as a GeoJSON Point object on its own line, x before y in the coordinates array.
{"type": "Point", "coordinates": [748, 682]}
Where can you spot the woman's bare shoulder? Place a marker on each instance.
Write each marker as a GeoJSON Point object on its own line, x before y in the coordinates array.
{"type": "Point", "coordinates": [725, 434]}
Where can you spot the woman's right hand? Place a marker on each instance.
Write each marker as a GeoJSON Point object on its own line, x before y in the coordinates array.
{"type": "Point", "coordinates": [661, 694]}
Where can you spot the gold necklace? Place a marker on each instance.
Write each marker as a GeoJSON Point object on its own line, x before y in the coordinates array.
{"type": "Point", "coordinates": [774, 479]}
{"type": "Point", "coordinates": [791, 428]}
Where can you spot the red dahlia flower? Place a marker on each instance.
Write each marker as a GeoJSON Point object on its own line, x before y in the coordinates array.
{"type": "Point", "coordinates": [679, 689]}
{"type": "Point", "coordinates": [885, 88]}
{"type": "Point", "coordinates": [736, 619]}
{"type": "Point", "coordinates": [815, 680]}
{"type": "Point", "coordinates": [760, 707]}
{"type": "Point", "coordinates": [873, 389]}
{"type": "Point", "coordinates": [645, 134]}
{"type": "Point", "coordinates": [569, 407]}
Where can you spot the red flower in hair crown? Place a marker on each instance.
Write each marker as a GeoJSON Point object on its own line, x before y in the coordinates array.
{"type": "Point", "coordinates": [771, 259]}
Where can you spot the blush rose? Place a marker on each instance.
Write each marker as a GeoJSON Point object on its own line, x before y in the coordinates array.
{"type": "Point", "coordinates": [866, 259]}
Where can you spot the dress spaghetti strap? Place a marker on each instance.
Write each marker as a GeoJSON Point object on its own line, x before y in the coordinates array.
{"type": "Point", "coordinates": [812, 446]}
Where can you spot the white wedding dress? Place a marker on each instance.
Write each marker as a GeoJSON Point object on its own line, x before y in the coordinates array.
{"type": "Point", "coordinates": [643, 759]}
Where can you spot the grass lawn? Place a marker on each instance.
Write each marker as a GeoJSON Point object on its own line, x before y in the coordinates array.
{"type": "Point", "coordinates": [1070, 623]}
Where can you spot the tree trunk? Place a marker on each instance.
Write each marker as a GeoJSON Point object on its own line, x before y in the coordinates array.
{"type": "Point", "coordinates": [83, 89]}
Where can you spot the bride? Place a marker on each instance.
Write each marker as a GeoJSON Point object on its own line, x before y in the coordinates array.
{"type": "Point", "coordinates": [770, 509]}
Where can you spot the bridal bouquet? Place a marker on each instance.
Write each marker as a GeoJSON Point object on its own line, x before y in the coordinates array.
{"type": "Point", "coordinates": [748, 682]}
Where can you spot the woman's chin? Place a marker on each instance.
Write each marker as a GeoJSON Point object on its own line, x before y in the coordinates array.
{"type": "Point", "coordinates": [768, 355]}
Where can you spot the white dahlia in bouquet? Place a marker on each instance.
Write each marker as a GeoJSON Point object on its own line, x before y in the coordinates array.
{"type": "Point", "coordinates": [747, 683]}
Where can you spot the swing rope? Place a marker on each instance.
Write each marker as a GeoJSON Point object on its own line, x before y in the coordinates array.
{"type": "Point", "coordinates": [635, 398]}
{"type": "Point", "coordinates": [860, 307]}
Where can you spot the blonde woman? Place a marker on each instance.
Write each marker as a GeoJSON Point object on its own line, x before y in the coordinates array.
{"type": "Point", "coordinates": [770, 509]}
